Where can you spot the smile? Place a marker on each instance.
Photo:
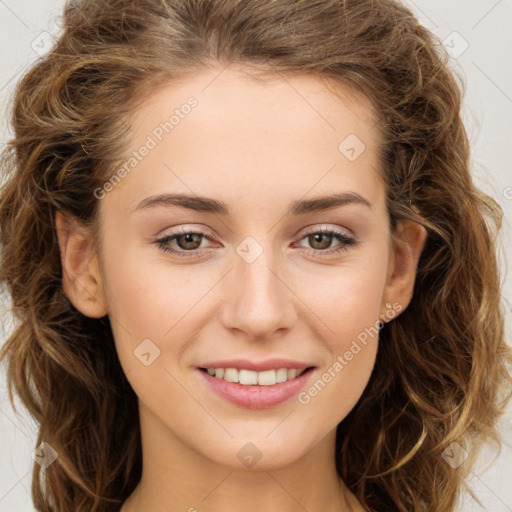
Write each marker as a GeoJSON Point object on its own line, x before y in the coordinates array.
{"type": "Point", "coordinates": [250, 377]}
{"type": "Point", "coordinates": [260, 386]}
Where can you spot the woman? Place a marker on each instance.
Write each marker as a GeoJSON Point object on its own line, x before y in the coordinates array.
{"type": "Point", "coordinates": [248, 262]}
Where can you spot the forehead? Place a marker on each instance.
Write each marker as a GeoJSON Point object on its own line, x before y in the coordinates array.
{"type": "Point", "coordinates": [272, 100]}
{"type": "Point", "coordinates": [244, 132]}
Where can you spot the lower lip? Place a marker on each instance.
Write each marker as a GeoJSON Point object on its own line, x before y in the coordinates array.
{"type": "Point", "coordinates": [257, 397]}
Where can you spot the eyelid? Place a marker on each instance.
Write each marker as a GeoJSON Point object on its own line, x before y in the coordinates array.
{"type": "Point", "coordinates": [183, 229]}
{"type": "Point", "coordinates": [326, 228]}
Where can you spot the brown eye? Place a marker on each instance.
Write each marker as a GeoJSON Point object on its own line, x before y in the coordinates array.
{"type": "Point", "coordinates": [320, 241]}
{"type": "Point", "coordinates": [189, 241]}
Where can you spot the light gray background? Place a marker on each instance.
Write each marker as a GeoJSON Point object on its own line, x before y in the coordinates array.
{"type": "Point", "coordinates": [479, 35]}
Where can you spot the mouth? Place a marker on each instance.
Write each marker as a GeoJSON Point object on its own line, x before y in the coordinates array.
{"type": "Point", "coordinates": [251, 389]}
{"type": "Point", "coordinates": [247, 377]}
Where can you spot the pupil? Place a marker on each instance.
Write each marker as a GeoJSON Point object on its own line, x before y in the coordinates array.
{"type": "Point", "coordinates": [318, 238]}
{"type": "Point", "coordinates": [189, 239]}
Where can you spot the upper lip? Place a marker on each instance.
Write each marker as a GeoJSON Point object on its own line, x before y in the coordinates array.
{"type": "Point", "coordinates": [245, 364]}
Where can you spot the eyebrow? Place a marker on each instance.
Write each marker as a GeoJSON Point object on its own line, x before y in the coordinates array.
{"type": "Point", "coordinates": [208, 205]}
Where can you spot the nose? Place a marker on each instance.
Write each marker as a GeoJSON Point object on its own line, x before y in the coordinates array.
{"type": "Point", "coordinates": [259, 302]}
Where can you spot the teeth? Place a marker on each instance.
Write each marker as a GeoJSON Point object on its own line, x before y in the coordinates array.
{"type": "Point", "coordinates": [247, 377]}
{"type": "Point", "coordinates": [282, 375]}
{"type": "Point", "coordinates": [230, 374]}
{"type": "Point", "coordinates": [251, 378]}
{"type": "Point", "coordinates": [267, 378]}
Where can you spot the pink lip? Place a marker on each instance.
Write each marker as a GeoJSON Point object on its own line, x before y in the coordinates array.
{"type": "Point", "coordinates": [269, 364]}
{"type": "Point", "coordinates": [256, 397]}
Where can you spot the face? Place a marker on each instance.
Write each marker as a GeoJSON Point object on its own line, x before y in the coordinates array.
{"type": "Point", "coordinates": [251, 276]}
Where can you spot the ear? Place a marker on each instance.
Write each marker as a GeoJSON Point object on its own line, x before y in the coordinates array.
{"type": "Point", "coordinates": [81, 278]}
{"type": "Point", "coordinates": [408, 242]}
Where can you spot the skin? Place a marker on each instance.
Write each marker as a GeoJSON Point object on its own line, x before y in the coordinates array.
{"type": "Point", "coordinates": [257, 146]}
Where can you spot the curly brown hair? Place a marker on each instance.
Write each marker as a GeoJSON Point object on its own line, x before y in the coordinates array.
{"type": "Point", "coordinates": [442, 366]}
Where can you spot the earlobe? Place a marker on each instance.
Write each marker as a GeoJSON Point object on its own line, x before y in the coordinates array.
{"type": "Point", "coordinates": [81, 278]}
{"type": "Point", "coordinates": [408, 243]}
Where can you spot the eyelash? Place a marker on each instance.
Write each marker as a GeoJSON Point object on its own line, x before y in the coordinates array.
{"type": "Point", "coordinates": [163, 243]}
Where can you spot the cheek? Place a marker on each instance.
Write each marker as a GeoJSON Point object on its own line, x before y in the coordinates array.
{"type": "Point", "coordinates": [345, 300]}
{"type": "Point", "coordinates": [150, 299]}
{"type": "Point", "coordinates": [349, 309]}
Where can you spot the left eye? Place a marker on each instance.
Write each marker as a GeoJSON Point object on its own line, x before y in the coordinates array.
{"type": "Point", "coordinates": [325, 237]}
{"type": "Point", "coordinates": [190, 241]}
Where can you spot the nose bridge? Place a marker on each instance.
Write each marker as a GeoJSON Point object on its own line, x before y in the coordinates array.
{"type": "Point", "coordinates": [259, 302]}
